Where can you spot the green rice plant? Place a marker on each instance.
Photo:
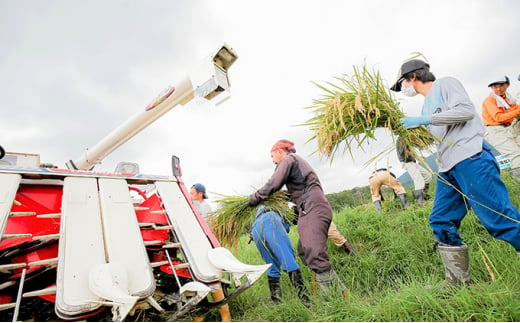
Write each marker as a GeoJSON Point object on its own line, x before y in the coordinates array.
{"type": "Point", "coordinates": [396, 275]}
{"type": "Point", "coordinates": [235, 217]}
{"type": "Point", "coordinates": [348, 113]}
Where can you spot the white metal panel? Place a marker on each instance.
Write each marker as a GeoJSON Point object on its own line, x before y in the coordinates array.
{"type": "Point", "coordinates": [123, 240]}
{"type": "Point", "coordinates": [8, 187]}
{"type": "Point", "coordinates": [192, 237]}
{"type": "Point", "coordinates": [21, 160]}
{"type": "Point", "coordinates": [81, 246]}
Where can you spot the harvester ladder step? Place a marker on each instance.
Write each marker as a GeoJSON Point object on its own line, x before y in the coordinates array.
{"type": "Point", "coordinates": [16, 236]}
{"type": "Point", "coordinates": [172, 245]}
{"type": "Point", "coordinates": [45, 262]}
{"type": "Point", "coordinates": [152, 242]}
{"type": "Point", "coordinates": [159, 263]}
{"type": "Point", "coordinates": [166, 262]}
{"type": "Point", "coordinates": [47, 237]}
{"type": "Point", "coordinates": [13, 214]}
{"type": "Point", "coordinates": [41, 292]}
{"type": "Point", "coordinates": [158, 212]}
{"type": "Point", "coordinates": [49, 216]}
{"type": "Point", "coordinates": [7, 268]}
{"type": "Point", "coordinates": [7, 284]}
{"type": "Point", "coordinates": [154, 226]}
{"type": "Point", "coordinates": [7, 306]}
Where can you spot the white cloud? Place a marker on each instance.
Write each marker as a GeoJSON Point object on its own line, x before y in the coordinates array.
{"type": "Point", "coordinates": [73, 70]}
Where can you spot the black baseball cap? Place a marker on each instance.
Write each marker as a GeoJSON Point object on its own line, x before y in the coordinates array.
{"type": "Point", "coordinates": [409, 66]}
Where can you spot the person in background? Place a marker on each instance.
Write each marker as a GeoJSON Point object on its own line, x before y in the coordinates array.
{"type": "Point", "coordinates": [421, 177]}
{"type": "Point", "coordinates": [198, 197]}
{"type": "Point", "coordinates": [339, 240]}
{"type": "Point", "coordinates": [314, 212]}
{"type": "Point", "coordinates": [269, 232]}
{"type": "Point", "coordinates": [499, 111]}
{"type": "Point", "coordinates": [469, 175]}
{"type": "Point", "coordinates": [383, 176]}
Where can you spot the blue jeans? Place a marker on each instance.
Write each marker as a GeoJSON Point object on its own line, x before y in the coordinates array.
{"type": "Point", "coordinates": [478, 177]}
{"type": "Point", "coordinates": [272, 241]}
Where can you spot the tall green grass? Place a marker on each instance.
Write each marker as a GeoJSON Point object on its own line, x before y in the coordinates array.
{"type": "Point", "coordinates": [388, 276]}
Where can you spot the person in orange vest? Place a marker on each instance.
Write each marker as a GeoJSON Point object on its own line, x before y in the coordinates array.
{"type": "Point", "coordinates": [499, 114]}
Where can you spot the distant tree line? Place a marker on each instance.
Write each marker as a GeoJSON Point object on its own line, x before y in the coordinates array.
{"type": "Point", "coordinates": [355, 197]}
{"type": "Point", "coordinates": [352, 198]}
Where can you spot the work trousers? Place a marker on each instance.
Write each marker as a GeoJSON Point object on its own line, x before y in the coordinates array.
{"type": "Point", "coordinates": [384, 178]}
{"type": "Point", "coordinates": [313, 227]}
{"type": "Point", "coordinates": [273, 243]}
{"type": "Point", "coordinates": [507, 141]}
{"type": "Point", "coordinates": [335, 236]}
{"type": "Point", "coordinates": [477, 177]}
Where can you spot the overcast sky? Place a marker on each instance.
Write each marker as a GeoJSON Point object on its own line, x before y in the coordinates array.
{"type": "Point", "coordinates": [71, 71]}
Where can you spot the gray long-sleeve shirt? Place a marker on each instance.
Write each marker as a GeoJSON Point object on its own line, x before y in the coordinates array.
{"type": "Point", "coordinates": [454, 119]}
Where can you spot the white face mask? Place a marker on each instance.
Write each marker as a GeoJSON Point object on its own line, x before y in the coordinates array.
{"type": "Point", "coordinates": [408, 91]}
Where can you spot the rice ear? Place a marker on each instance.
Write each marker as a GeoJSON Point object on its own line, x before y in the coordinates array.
{"type": "Point", "coordinates": [349, 112]}
{"type": "Point", "coordinates": [234, 217]}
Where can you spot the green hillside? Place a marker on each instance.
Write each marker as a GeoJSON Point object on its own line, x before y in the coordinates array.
{"type": "Point", "coordinates": [396, 274]}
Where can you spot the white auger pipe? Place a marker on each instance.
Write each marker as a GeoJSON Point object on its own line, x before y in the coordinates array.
{"type": "Point", "coordinates": [209, 80]}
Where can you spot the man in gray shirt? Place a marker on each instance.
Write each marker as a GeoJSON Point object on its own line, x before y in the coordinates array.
{"type": "Point", "coordinates": [468, 172]}
{"type": "Point", "coordinates": [198, 197]}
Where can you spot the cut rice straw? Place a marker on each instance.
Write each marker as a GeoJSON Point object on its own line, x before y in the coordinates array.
{"type": "Point", "coordinates": [234, 217]}
{"type": "Point", "coordinates": [348, 114]}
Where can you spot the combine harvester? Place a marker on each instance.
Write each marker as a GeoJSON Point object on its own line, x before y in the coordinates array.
{"type": "Point", "coordinates": [77, 244]}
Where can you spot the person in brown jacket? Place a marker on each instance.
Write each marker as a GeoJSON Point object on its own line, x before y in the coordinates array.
{"type": "Point", "coordinates": [314, 212]}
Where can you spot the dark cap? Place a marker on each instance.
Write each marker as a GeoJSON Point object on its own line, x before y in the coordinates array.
{"type": "Point", "coordinates": [500, 80]}
{"type": "Point", "coordinates": [200, 188]}
{"type": "Point", "coordinates": [409, 66]}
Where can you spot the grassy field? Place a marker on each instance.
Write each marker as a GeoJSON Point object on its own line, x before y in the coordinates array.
{"type": "Point", "coordinates": [396, 275]}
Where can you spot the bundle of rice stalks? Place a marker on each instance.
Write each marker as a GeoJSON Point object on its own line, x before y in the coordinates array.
{"type": "Point", "coordinates": [235, 217]}
{"type": "Point", "coordinates": [351, 111]}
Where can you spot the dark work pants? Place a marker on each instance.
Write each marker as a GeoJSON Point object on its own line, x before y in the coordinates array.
{"type": "Point", "coordinates": [312, 229]}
